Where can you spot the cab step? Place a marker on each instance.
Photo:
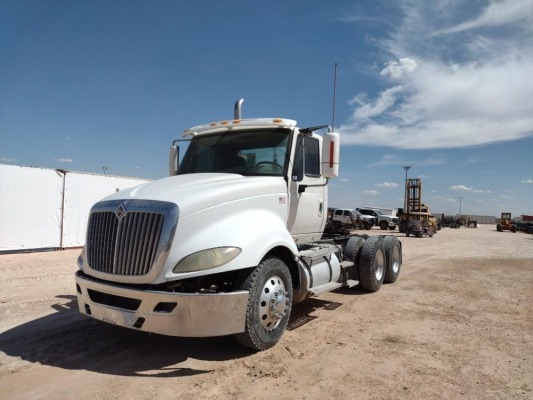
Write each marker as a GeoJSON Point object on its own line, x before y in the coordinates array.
{"type": "Point", "coordinates": [326, 287]}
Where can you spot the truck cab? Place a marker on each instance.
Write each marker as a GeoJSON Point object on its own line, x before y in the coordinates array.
{"type": "Point", "coordinates": [229, 241]}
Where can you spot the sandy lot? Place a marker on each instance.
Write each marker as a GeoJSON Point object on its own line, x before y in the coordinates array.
{"type": "Point", "coordinates": [457, 324]}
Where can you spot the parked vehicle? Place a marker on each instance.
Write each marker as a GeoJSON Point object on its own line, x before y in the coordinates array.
{"type": "Point", "coordinates": [419, 228]}
{"type": "Point", "coordinates": [380, 219]}
{"type": "Point", "coordinates": [231, 240]}
{"type": "Point", "coordinates": [352, 218]}
{"type": "Point", "coordinates": [506, 223]}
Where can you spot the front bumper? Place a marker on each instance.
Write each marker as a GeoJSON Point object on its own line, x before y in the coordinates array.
{"type": "Point", "coordinates": [173, 314]}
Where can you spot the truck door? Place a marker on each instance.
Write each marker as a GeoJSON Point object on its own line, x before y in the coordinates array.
{"type": "Point", "coordinates": [307, 190]}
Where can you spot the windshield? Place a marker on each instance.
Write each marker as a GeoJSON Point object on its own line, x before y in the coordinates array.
{"type": "Point", "coordinates": [257, 152]}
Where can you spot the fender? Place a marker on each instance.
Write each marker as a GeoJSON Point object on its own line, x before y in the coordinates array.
{"type": "Point", "coordinates": [254, 224]}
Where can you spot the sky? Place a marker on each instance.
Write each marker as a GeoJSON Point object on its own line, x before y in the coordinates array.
{"type": "Point", "coordinates": [443, 86]}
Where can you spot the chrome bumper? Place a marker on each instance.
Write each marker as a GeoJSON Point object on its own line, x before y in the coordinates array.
{"type": "Point", "coordinates": [173, 314]}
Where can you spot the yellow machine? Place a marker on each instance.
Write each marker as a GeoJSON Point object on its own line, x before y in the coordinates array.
{"type": "Point", "coordinates": [415, 209]}
{"type": "Point", "coordinates": [506, 223]}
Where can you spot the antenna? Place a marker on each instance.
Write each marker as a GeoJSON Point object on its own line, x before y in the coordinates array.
{"type": "Point", "coordinates": [334, 98]}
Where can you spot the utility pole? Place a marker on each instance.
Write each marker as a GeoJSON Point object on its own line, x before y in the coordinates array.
{"type": "Point", "coordinates": [460, 202]}
{"type": "Point", "coordinates": [405, 205]}
{"type": "Point", "coordinates": [105, 169]}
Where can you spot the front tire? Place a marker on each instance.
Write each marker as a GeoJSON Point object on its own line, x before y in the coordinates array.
{"type": "Point", "coordinates": [384, 225]}
{"type": "Point", "coordinates": [269, 304]}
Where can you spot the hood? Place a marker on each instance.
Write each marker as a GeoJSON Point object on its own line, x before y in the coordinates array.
{"type": "Point", "coordinates": [194, 192]}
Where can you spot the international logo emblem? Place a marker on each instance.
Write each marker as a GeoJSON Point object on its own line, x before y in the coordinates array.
{"type": "Point", "coordinates": [120, 211]}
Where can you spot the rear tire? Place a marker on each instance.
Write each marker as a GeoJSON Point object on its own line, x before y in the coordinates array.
{"type": "Point", "coordinates": [393, 258]}
{"type": "Point", "coordinates": [352, 252]}
{"type": "Point", "coordinates": [269, 304]}
{"type": "Point", "coordinates": [372, 264]}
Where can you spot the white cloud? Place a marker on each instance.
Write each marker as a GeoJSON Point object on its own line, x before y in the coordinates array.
{"type": "Point", "coordinates": [63, 160]}
{"type": "Point", "coordinates": [498, 13]}
{"type": "Point", "coordinates": [456, 88]}
{"type": "Point", "coordinates": [387, 185]}
{"type": "Point", "coordinates": [527, 180]}
{"type": "Point", "coordinates": [398, 69]}
{"type": "Point", "coordinates": [371, 192]}
{"type": "Point", "coordinates": [366, 110]}
{"type": "Point", "coordinates": [389, 159]}
{"type": "Point", "coordinates": [507, 197]}
{"type": "Point", "coordinates": [8, 160]}
{"type": "Point", "coordinates": [461, 188]}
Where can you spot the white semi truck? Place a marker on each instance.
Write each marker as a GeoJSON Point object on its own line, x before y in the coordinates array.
{"type": "Point", "coordinates": [231, 240]}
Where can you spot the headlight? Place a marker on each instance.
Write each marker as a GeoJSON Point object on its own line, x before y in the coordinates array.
{"type": "Point", "coordinates": [80, 259]}
{"type": "Point", "coordinates": [206, 259]}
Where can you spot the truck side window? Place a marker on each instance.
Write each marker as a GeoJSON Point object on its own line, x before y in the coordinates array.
{"type": "Point", "coordinates": [298, 170]}
{"type": "Point", "coordinates": [306, 158]}
{"type": "Point", "coordinates": [312, 157]}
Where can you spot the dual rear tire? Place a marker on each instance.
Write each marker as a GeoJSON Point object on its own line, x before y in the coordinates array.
{"type": "Point", "coordinates": [377, 259]}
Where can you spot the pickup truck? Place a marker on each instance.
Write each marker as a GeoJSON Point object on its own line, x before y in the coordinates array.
{"type": "Point", "coordinates": [352, 218]}
{"type": "Point", "coordinates": [382, 220]}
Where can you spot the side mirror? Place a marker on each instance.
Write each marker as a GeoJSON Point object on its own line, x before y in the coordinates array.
{"type": "Point", "coordinates": [330, 155]}
{"type": "Point", "coordinates": [173, 160]}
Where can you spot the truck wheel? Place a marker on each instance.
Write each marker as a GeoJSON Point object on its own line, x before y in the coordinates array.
{"type": "Point", "coordinates": [372, 264]}
{"type": "Point", "coordinates": [352, 251]}
{"type": "Point", "coordinates": [391, 228]}
{"type": "Point", "coordinates": [384, 225]}
{"type": "Point", "coordinates": [393, 258]}
{"type": "Point", "coordinates": [269, 304]}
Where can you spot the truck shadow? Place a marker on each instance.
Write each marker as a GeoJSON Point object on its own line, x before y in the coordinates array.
{"type": "Point", "coordinates": [69, 340]}
{"type": "Point", "coordinates": [66, 339]}
{"type": "Point", "coordinates": [301, 312]}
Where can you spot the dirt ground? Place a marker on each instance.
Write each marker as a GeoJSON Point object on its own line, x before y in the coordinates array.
{"type": "Point", "coordinates": [457, 324]}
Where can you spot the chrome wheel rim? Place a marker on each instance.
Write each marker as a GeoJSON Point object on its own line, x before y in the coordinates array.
{"type": "Point", "coordinates": [273, 303]}
{"type": "Point", "coordinates": [379, 265]}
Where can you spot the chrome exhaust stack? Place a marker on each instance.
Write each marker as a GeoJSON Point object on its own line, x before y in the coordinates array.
{"type": "Point", "coordinates": [237, 110]}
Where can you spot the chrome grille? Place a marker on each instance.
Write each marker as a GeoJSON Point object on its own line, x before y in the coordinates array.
{"type": "Point", "coordinates": [125, 244]}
